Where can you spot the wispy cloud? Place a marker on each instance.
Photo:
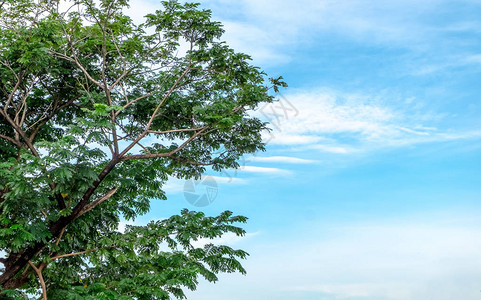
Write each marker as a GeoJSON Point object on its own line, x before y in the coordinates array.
{"type": "Point", "coordinates": [281, 159]}
{"type": "Point", "coordinates": [270, 29]}
{"type": "Point", "coordinates": [339, 122]}
{"type": "Point", "coordinates": [264, 170]}
{"type": "Point", "coordinates": [332, 149]}
{"type": "Point", "coordinates": [242, 36]}
{"type": "Point", "coordinates": [276, 138]}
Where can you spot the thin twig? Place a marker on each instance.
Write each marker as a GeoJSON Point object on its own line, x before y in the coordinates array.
{"type": "Point", "coordinates": [147, 127]}
{"type": "Point", "coordinates": [60, 236]}
{"type": "Point", "coordinates": [166, 154]}
{"type": "Point", "coordinates": [175, 130]}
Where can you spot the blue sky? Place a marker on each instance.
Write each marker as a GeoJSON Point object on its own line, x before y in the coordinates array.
{"type": "Point", "coordinates": [370, 185]}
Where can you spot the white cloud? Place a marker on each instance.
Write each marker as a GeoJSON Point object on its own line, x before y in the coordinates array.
{"type": "Point", "coordinates": [332, 112]}
{"type": "Point", "coordinates": [230, 180]}
{"type": "Point", "coordinates": [281, 138]}
{"type": "Point", "coordinates": [342, 123]}
{"type": "Point", "coordinates": [123, 225]}
{"type": "Point", "coordinates": [332, 149]}
{"type": "Point", "coordinates": [269, 29]}
{"type": "Point", "coordinates": [281, 159]}
{"type": "Point", "coordinates": [173, 186]}
{"type": "Point", "coordinates": [264, 170]}
{"type": "Point", "coordinates": [139, 8]}
{"type": "Point", "coordinates": [242, 37]}
{"type": "Point", "coordinates": [446, 63]}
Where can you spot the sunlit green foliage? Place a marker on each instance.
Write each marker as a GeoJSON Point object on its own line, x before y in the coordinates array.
{"type": "Point", "coordinates": [96, 112]}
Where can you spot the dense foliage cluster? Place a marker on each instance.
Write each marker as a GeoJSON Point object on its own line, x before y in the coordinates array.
{"type": "Point", "coordinates": [96, 112]}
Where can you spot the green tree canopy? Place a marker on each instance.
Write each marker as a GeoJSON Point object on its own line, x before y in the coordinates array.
{"type": "Point", "coordinates": [96, 112]}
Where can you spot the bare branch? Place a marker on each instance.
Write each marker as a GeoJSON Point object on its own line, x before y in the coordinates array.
{"type": "Point", "coordinates": [93, 204]}
{"type": "Point", "coordinates": [17, 143]}
{"type": "Point", "coordinates": [81, 252]}
{"type": "Point", "coordinates": [144, 156]}
{"type": "Point", "coordinates": [191, 162]}
{"type": "Point", "coordinates": [22, 133]}
{"type": "Point", "coordinates": [40, 278]}
{"type": "Point", "coordinates": [175, 130]}
{"type": "Point", "coordinates": [73, 254]}
{"type": "Point", "coordinates": [124, 65]}
{"type": "Point", "coordinates": [60, 236]}
{"type": "Point", "coordinates": [189, 140]}
{"type": "Point", "coordinates": [44, 114]}
{"type": "Point", "coordinates": [147, 127]}
{"type": "Point", "coordinates": [23, 108]}
{"type": "Point", "coordinates": [112, 151]}
{"type": "Point", "coordinates": [167, 154]}
{"type": "Point", "coordinates": [75, 60]}
{"type": "Point", "coordinates": [143, 147]}
{"type": "Point", "coordinates": [12, 93]}
{"type": "Point", "coordinates": [6, 64]}
{"type": "Point", "coordinates": [51, 115]}
{"type": "Point", "coordinates": [133, 101]}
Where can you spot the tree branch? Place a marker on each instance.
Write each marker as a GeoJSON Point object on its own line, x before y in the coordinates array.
{"type": "Point", "coordinates": [73, 254]}
{"type": "Point", "coordinates": [75, 60]}
{"type": "Point", "coordinates": [40, 277]}
{"type": "Point", "coordinates": [60, 236]}
{"type": "Point", "coordinates": [81, 252]}
{"type": "Point", "coordinates": [93, 204]}
{"type": "Point", "coordinates": [167, 154]}
{"type": "Point", "coordinates": [175, 130]}
{"type": "Point", "coordinates": [147, 127]}
{"type": "Point", "coordinates": [191, 162]}
{"type": "Point", "coordinates": [17, 143]}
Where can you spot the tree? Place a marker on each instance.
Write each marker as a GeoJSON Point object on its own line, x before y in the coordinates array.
{"type": "Point", "coordinates": [96, 112]}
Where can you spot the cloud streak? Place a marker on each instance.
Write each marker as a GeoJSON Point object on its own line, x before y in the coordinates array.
{"type": "Point", "coordinates": [281, 159]}
{"type": "Point", "coordinates": [340, 123]}
{"type": "Point", "coordinates": [264, 170]}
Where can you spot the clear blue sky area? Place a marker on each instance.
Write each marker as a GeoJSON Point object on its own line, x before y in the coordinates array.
{"type": "Point", "coordinates": [370, 187]}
